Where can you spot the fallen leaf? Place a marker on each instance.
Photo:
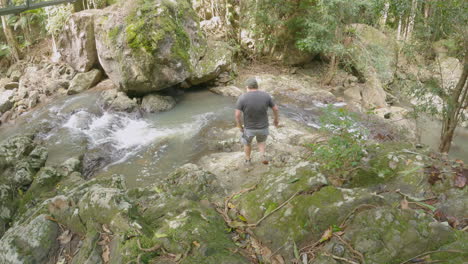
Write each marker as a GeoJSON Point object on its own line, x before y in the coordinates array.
{"type": "Point", "coordinates": [326, 235]}
{"type": "Point", "coordinates": [293, 180]}
{"type": "Point", "coordinates": [425, 205]}
{"type": "Point", "coordinates": [106, 229]}
{"type": "Point", "coordinates": [434, 174]}
{"type": "Point", "coordinates": [106, 254]}
{"type": "Point", "coordinates": [196, 244]}
{"type": "Point", "coordinates": [440, 216]}
{"type": "Point", "coordinates": [241, 217]}
{"type": "Point", "coordinates": [236, 224]}
{"type": "Point", "coordinates": [65, 237]}
{"type": "Point", "coordinates": [461, 178]}
{"type": "Point", "coordinates": [296, 251]}
{"type": "Point", "coordinates": [453, 221]}
{"type": "Point", "coordinates": [404, 204]}
{"type": "Point", "coordinates": [231, 206]}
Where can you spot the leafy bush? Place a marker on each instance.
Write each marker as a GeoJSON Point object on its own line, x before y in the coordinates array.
{"type": "Point", "coordinates": [344, 149]}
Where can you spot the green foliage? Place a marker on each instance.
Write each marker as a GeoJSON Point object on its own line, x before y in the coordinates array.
{"type": "Point", "coordinates": [4, 50]}
{"type": "Point", "coordinates": [57, 18]}
{"type": "Point", "coordinates": [344, 148]}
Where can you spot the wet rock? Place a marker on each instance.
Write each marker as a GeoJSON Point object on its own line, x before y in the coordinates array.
{"type": "Point", "coordinates": [84, 81]}
{"type": "Point", "coordinates": [294, 89]}
{"type": "Point", "coordinates": [33, 99]}
{"type": "Point", "coordinates": [11, 86]}
{"type": "Point", "coordinates": [385, 235]}
{"type": "Point", "coordinates": [140, 62]}
{"type": "Point", "coordinates": [77, 44]}
{"type": "Point", "coordinates": [227, 91]}
{"type": "Point", "coordinates": [29, 243]}
{"type": "Point", "coordinates": [118, 101]}
{"type": "Point", "coordinates": [5, 117]}
{"type": "Point", "coordinates": [54, 86]}
{"type": "Point", "coordinates": [7, 207]}
{"type": "Point", "coordinates": [5, 100]}
{"type": "Point", "coordinates": [398, 117]}
{"type": "Point", "coordinates": [157, 103]}
{"type": "Point", "coordinates": [218, 58]}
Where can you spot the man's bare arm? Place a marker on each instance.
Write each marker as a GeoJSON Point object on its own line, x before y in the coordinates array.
{"type": "Point", "coordinates": [276, 115]}
{"type": "Point", "coordinates": [238, 114]}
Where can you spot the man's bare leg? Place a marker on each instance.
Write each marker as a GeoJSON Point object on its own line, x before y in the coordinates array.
{"type": "Point", "coordinates": [262, 149]}
{"type": "Point", "coordinates": [247, 151]}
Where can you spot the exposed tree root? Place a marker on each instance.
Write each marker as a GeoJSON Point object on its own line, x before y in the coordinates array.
{"type": "Point", "coordinates": [431, 252]}
{"type": "Point", "coordinates": [340, 258]}
{"type": "Point", "coordinates": [272, 212]}
{"type": "Point", "coordinates": [153, 249]}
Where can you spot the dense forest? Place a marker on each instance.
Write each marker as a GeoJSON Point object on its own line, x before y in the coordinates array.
{"type": "Point", "coordinates": [118, 141]}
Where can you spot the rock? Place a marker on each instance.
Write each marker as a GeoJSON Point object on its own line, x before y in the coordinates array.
{"type": "Point", "coordinates": [11, 86]}
{"type": "Point", "coordinates": [373, 57]}
{"type": "Point", "coordinates": [295, 89]}
{"type": "Point", "coordinates": [84, 81]}
{"type": "Point", "coordinates": [5, 100]}
{"type": "Point", "coordinates": [30, 243]}
{"type": "Point", "coordinates": [77, 43]}
{"type": "Point", "coordinates": [118, 101]}
{"type": "Point", "coordinates": [33, 99]}
{"type": "Point", "coordinates": [227, 91]}
{"type": "Point", "coordinates": [54, 86]}
{"type": "Point", "coordinates": [398, 116]}
{"type": "Point", "coordinates": [102, 204]}
{"type": "Point", "coordinates": [404, 233]}
{"type": "Point", "coordinates": [354, 94]}
{"type": "Point", "coordinates": [217, 59]}
{"type": "Point", "coordinates": [157, 103]}
{"type": "Point", "coordinates": [5, 117]}
{"type": "Point", "coordinates": [140, 61]}
{"type": "Point", "coordinates": [7, 207]}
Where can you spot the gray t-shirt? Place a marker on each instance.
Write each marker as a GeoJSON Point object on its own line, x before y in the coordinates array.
{"type": "Point", "coordinates": [254, 105]}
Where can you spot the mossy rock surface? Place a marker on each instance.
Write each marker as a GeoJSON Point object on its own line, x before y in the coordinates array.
{"type": "Point", "coordinates": [386, 235]}
{"type": "Point", "coordinates": [149, 45]}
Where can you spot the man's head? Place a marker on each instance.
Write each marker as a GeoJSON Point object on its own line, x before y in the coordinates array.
{"type": "Point", "coordinates": [251, 84]}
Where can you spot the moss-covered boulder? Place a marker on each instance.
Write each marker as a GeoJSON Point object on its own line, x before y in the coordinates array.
{"type": "Point", "coordinates": [218, 58]}
{"type": "Point", "coordinates": [372, 55]}
{"type": "Point", "coordinates": [30, 243]}
{"type": "Point", "coordinates": [77, 44]}
{"type": "Point", "coordinates": [149, 45]}
{"type": "Point", "coordinates": [20, 159]}
{"type": "Point", "coordinates": [386, 235]}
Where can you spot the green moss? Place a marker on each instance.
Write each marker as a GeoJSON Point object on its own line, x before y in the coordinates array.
{"type": "Point", "coordinates": [150, 24]}
{"type": "Point", "coordinates": [114, 33]}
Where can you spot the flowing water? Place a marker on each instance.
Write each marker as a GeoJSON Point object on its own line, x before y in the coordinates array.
{"type": "Point", "coordinates": [133, 145]}
{"type": "Point", "coordinates": [144, 147]}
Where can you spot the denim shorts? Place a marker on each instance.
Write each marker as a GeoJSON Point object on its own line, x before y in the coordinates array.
{"type": "Point", "coordinates": [249, 134]}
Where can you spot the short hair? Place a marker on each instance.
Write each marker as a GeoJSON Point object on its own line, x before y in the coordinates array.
{"type": "Point", "coordinates": [251, 83]}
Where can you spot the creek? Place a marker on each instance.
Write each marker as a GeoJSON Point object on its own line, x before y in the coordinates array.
{"type": "Point", "coordinates": [144, 147]}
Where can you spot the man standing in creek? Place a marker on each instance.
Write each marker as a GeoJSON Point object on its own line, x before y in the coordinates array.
{"type": "Point", "coordinates": [253, 106]}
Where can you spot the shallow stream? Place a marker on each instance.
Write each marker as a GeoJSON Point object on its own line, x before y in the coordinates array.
{"type": "Point", "coordinates": [144, 147]}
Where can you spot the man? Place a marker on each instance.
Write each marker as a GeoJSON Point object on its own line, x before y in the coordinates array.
{"type": "Point", "coordinates": [254, 105]}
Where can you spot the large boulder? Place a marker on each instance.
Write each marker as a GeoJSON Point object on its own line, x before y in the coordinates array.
{"type": "Point", "coordinates": [30, 243]}
{"type": "Point", "coordinates": [84, 81]}
{"type": "Point", "coordinates": [218, 58]}
{"type": "Point", "coordinates": [5, 100]}
{"type": "Point", "coordinates": [372, 54]}
{"type": "Point", "coordinates": [157, 103]}
{"type": "Point", "coordinates": [147, 47]}
{"type": "Point", "coordinates": [77, 43]}
{"type": "Point", "coordinates": [118, 101]}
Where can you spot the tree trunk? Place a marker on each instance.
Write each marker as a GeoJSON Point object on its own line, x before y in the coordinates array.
{"type": "Point", "coordinates": [331, 70]}
{"type": "Point", "coordinates": [10, 38]}
{"type": "Point", "coordinates": [383, 20]}
{"type": "Point", "coordinates": [454, 108]}
{"type": "Point", "coordinates": [412, 17]}
{"type": "Point", "coordinates": [399, 28]}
